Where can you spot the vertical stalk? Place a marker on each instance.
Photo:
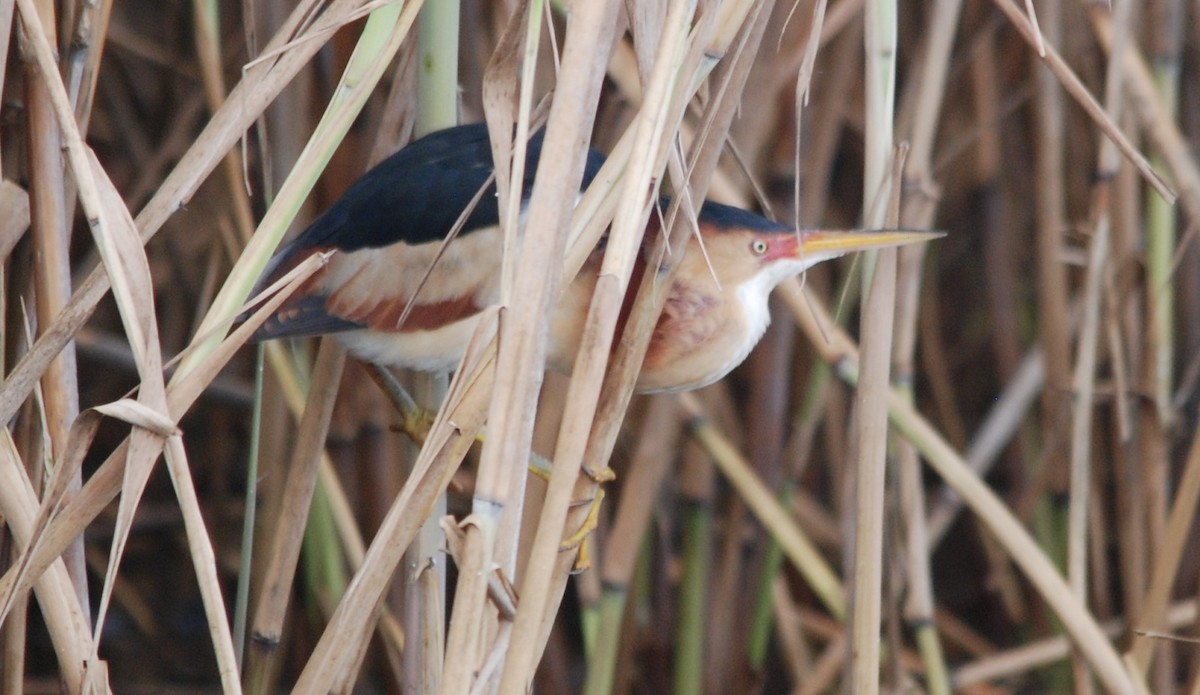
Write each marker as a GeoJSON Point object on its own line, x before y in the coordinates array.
{"type": "Point", "coordinates": [1161, 218]}
{"type": "Point", "coordinates": [424, 564]}
{"type": "Point", "coordinates": [1084, 378]}
{"type": "Point", "coordinates": [437, 66]}
{"type": "Point", "coordinates": [50, 225]}
{"type": "Point", "coordinates": [648, 469]}
{"type": "Point", "coordinates": [918, 212]}
{"type": "Point", "coordinates": [692, 607]}
{"type": "Point", "coordinates": [206, 15]}
{"type": "Point", "coordinates": [870, 401]}
{"type": "Point", "coordinates": [1166, 21]}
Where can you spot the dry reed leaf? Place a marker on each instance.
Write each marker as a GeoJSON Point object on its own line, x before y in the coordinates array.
{"type": "Point", "coordinates": [204, 563]}
{"type": "Point", "coordinates": [105, 483]}
{"type": "Point", "coordinates": [261, 83]}
{"type": "Point", "coordinates": [81, 434]}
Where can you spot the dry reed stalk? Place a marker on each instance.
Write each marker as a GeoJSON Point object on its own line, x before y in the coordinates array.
{"type": "Point", "coordinates": [790, 632]}
{"type": "Point", "coordinates": [65, 617]}
{"type": "Point", "coordinates": [1039, 653]}
{"type": "Point", "coordinates": [1158, 127]}
{"type": "Point", "coordinates": [1050, 209]}
{"type": "Point", "coordinates": [208, 50]}
{"type": "Point", "coordinates": [529, 626]}
{"type": "Point", "coordinates": [489, 533]}
{"type": "Point", "coordinates": [424, 565]}
{"type": "Point", "coordinates": [995, 433]}
{"type": "Point", "coordinates": [1166, 564]}
{"type": "Point", "coordinates": [451, 434]}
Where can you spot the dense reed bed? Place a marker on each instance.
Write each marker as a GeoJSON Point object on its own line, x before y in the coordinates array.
{"type": "Point", "coordinates": [970, 466]}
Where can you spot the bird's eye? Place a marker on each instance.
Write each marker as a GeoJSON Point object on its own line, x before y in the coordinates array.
{"type": "Point", "coordinates": [758, 246]}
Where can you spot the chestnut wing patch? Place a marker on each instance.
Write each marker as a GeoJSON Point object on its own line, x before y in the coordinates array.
{"type": "Point", "coordinates": [311, 315]}
{"type": "Point", "coordinates": [387, 314]}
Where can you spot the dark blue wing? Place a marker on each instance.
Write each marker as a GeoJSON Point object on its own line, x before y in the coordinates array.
{"type": "Point", "coordinates": [417, 194]}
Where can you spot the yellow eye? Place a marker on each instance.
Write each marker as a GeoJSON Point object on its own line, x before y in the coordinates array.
{"type": "Point", "coordinates": [758, 246]}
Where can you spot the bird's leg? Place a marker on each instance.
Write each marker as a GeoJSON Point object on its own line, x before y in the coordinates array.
{"type": "Point", "coordinates": [415, 421]}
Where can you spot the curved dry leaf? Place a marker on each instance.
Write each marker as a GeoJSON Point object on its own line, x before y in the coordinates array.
{"type": "Point", "coordinates": [140, 415]}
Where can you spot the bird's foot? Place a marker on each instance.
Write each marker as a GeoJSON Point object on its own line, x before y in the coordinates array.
{"type": "Point", "coordinates": [416, 423]}
{"type": "Point", "coordinates": [581, 539]}
{"type": "Point", "coordinates": [600, 476]}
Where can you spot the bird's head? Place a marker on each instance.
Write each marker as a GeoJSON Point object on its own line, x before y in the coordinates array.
{"type": "Point", "coordinates": [740, 247]}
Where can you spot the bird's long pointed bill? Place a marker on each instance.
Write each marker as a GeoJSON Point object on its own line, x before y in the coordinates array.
{"type": "Point", "coordinates": [844, 242]}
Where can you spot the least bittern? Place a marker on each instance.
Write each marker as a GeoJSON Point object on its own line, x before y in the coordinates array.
{"type": "Point", "coordinates": [393, 300]}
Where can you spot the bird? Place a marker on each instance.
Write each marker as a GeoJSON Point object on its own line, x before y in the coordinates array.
{"type": "Point", "coordinates": [395, 298]}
